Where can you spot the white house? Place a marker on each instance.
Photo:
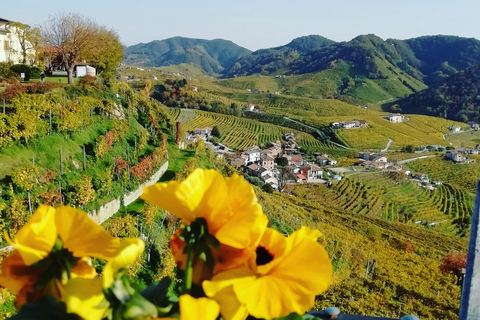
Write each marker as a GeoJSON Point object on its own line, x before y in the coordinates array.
{"type": "Point", "coordinates": [10, 48]}
{"type": "Point", "coordinates": [455, 129]}
{"type": "Point", "coordinates": [455, 156]}
{"type": "Point", "coordinates": [395, 117]}
{"type": "Point", "coordinates": [253, 155]}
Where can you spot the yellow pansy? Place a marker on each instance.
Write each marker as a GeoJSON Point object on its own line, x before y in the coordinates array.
{"type": "Point", "coordinates": [197, 309]}
{"type": "Point", "coordinates": [85, 296]}
{"type": "Point", "coordinates": [79, 235]}
{"type": "Point", "coordinates": [285, 277]}
{"type": "Point", "coordinates": [36, 238]}
{"type": "Point", "coordinates": [229, 205]}
{"type": "Point", "coordinates": [128, 252]}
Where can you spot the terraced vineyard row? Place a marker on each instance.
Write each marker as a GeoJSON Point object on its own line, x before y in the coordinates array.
{"type": "Point", "coordinates": [459, 175]}
{"type": "Point", "coordinates": [241, 133]}
{"type": "Point", "coordinates": [377, 195]}
{"type": "Point", "coordinates": [182, 115]}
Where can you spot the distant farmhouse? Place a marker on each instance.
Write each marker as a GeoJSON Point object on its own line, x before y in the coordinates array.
{"type": "Point", "coordinates": [395, 117]}
{"type": "Point", "coordinates": [455, 129]}
{"type": "Point", "coordinates": [251, 107]}
{"type": "Point", "coordinates": [354, 124]}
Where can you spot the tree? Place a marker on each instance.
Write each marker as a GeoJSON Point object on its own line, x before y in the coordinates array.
{"type": "Point", "coordinates": [281, 161]}
{"type": "Point", "coordinates": [454, 263]}
{"type": "Point", "coordinates": [78, 39]}
{"type": "Point", "coordinates": [104, 52]}
{"type": "Point", "coordinates": [216, 132]}
{"type": "Point", "coordinates": [267, 188]}
{"type": "Point", "coordinates": [30, 40]}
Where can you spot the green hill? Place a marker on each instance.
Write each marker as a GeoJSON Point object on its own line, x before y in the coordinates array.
{"type": "Point", "coordinates": [211, 55]}
{"type": "Point", "coordinates": [457, 98]}
{"type": "Point", "coordinates": [365, 69]}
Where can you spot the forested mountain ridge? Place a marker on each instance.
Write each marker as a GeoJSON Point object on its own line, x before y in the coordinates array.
{"type": "Point", "coordinates": [457, 98]}
{"type": "Point", "coordinates": [425, 58]}
{"type": "Point", "coordinates": [211, 55]}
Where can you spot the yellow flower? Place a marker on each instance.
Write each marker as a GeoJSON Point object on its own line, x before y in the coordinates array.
{"type": "Point", "coordinates": [228, 205]}
{"type": "Point", "coordinates": [85, 296]}
{"type": "Point", "coordinates": [37, 237]}
{"type": "Point", "coordinates": [284, 278]}
{"type": "Point", "coordinates": [197, 309]}
{"type": "Point", "coordinates": [35, 241]}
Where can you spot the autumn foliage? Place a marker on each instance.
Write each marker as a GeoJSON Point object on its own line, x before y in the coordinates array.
{"type": "Point", "coordinates": [454, 263]}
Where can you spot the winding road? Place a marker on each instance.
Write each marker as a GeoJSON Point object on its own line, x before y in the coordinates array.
{"type": "Point", "coordinates": [389, 143]}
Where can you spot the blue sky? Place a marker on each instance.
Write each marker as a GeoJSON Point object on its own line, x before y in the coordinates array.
{"type": "Point", "coordinates": [256, 24]}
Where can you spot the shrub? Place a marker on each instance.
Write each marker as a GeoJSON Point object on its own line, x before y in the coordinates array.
{"type": "Point", "coordinates": [35, 73]}
{"type": "Point", "coordinates": [22, 68]}
{"type": "Point", "coordinates": [5, 71]}
{"type": "Point", "coordinates": [267, 188]}
{"type": "Point", "coordinates": [89, 81]}
{"type": "Point", "coordinates": [39, 88]}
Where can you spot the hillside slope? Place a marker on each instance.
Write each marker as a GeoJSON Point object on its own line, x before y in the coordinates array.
{"type": "Point", "coordinates": [457, 98]}
{"type": "Point", "coordinates": [211, 55]}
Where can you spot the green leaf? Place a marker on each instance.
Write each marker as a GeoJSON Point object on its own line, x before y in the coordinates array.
{"type": "Point", "coordinates": [46, 308]}
{"type": "Point", "coordinates": [156, 293]}
{"type": "Point", "coordinates": [292, 316]}
{"type": "Point", "coordinates": [139, 308]}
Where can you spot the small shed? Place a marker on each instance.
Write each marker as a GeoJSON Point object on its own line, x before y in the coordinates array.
{"type": "Point", "coordinates": [81, 70]}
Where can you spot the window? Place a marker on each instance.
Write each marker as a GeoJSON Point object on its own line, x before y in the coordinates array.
{"type": "Point", "coordinates": [6, 45]}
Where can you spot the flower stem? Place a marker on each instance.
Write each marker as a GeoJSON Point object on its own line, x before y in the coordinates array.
{"type": "Point", "coordinates": [189, 268]}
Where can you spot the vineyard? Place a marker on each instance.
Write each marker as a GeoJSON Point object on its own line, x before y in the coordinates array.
{"type": "Point", "coordinates": [382, 195]}
{"type": "Point", "coordinates": [407, 257]}
{"type": "Point", "coordinates": [463, 176]}
{"type": "Point", "coordinates": [241, 133]}
{"type": "Point", "coordinates": [417, 130]}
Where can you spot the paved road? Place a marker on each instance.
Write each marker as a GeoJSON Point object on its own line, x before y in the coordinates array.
{"type": "Point", "coordinates": [413, 159]}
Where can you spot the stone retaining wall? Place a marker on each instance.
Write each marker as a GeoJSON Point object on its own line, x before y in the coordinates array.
{"type": "Point", "coordinates": [112, 207]}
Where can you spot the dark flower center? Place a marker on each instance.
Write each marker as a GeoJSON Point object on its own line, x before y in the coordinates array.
{"type": "Point", "coordinates": [263, 256]}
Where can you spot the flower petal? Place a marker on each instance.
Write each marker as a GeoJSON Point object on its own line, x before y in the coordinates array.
{"type": "Point", "coordinates": [201, 195]}
{"type": "Point", "coordinates": [82, 236]}
{"type": "Point", "coordinates": [83, 297]}
{"type": "Point", "coordinates": [163, 195]}
{"type": "Point", "coordinates": [247, 216]}
{"type": "Point", "coordinates": [16, 275]}
{"type": "Point", "coordinates": [220, 288]}
{"type": "Point", "coordinates": [36, 238]}
{"type": "Point", "coordinates": [314, 274]}
{"type": "Point", "coordinates": [198, 309]}
{"type": "Point", "coordinates": [271, 297]}
{"type": "Point", "coordinates": [129, 251]}
{"type": "Point", "coordinates": [84, 269]}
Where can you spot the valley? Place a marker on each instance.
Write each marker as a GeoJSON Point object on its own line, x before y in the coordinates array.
{"type": "Point", "coordinates": [337, 136]}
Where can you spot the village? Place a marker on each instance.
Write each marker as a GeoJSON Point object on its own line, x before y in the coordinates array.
{"type": "Point", "coordinates": [282, 163]}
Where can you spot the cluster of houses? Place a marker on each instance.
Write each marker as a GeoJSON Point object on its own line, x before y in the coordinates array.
{"type": "Point", "coordinates": [261, 163]}
{"type": "Point", "coordinates": [372, 160]}
{"type": "Point", "coordinates": [459, 154]}
{"type": "Point", "coordinates": [198, 134]}
{"type": "Point", "coordinates": [354, 124]}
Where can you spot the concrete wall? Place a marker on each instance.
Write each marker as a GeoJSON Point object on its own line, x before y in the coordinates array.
{"type": "Point", "coordinates": [112, 207]}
